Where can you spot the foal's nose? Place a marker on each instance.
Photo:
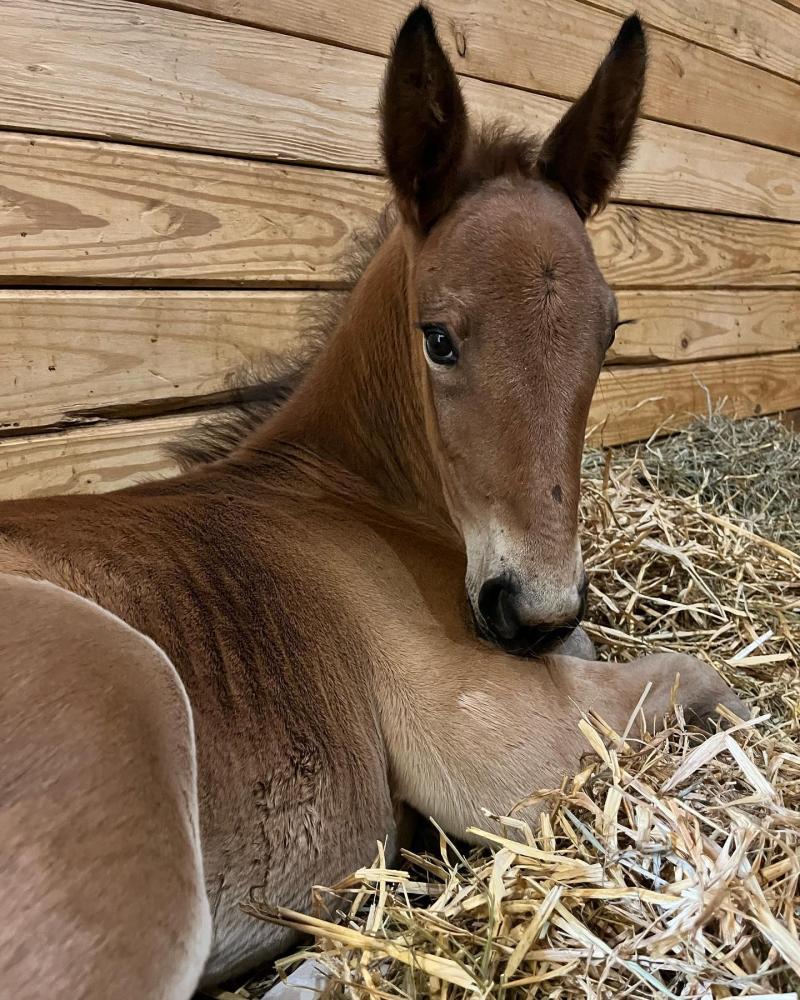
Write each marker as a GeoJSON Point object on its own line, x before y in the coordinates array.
{"type": "Point", "coordinates": [499, 606]}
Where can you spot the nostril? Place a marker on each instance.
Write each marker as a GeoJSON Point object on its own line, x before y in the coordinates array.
{"type": "Point", "coordinates": [487, 598]}
{"type": "Point", "coordinates": [496, 605]}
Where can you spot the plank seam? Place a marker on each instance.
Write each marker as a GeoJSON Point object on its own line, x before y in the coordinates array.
{"type": "Point", "coordinates": [355, 170]}
{"type": "Point", "coordinates": [110, 414]}
{"type": "Point", "coordinates": [598, 5]}
{"type": "Point", "coordinates": [558, 95]}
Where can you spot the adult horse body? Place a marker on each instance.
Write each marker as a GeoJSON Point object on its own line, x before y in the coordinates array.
{"type": "Point", "coordinates": [291, 620]}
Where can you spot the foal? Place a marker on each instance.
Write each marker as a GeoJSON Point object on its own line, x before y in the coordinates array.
{"type": "Point", "coordinates": [232, 680]}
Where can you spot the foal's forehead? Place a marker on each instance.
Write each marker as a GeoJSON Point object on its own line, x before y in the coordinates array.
{"type": "Point", "coordinates": [511, 227]}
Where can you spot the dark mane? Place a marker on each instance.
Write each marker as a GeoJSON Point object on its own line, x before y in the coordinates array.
{"type": "Point", "coordinates": [501, 151]}
{"type": "Point", "coordinates": [255, 394]}
{"type": "Point", "coordinates": [257, 391]}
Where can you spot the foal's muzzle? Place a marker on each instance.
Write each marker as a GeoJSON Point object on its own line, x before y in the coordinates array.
{"type": "Point", "coordinates": [499, 619]}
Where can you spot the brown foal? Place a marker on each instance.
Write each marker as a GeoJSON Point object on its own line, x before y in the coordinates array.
{"type": "Point", "coordinates": [233, 680]}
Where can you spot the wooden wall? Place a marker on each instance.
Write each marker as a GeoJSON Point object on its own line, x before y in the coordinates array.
{"type": "Point", "coordinates": [179, 179]}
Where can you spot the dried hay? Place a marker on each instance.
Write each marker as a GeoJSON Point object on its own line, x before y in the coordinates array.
{"type": "Point", "coordinates": [669, 866]}
{"type": "Point", "coordinates": [687, 572]}
{"type": "Point", "coordinates": [748, 470]}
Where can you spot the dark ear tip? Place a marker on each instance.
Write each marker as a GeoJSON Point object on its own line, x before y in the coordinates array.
{"type": "Point", "coordinates": [419, 21]}
{"type": "Point", "coordinates": [631, 35]}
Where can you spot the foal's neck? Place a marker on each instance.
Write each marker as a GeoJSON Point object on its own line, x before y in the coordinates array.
{"type": "Point", "coordinates": [360, 407]}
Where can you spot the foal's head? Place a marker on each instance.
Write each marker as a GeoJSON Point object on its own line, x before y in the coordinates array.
{"type": "Point", "coordinates": [510, 317]}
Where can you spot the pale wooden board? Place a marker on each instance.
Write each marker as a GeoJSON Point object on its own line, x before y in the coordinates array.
{"type": "Point", "coordinates": [699, 325]}
{"type": "Point", "coordinates": [116, 69]}
{"type": "Point", "coordinates": [82, 211]}
{"type": "Point", "coordinates": [630, 403]}
{"type": "Point", "coordinates": [759, 32]}
{"type": "Point", "coordinates": [69, 357]}
{"type": "Point", "coordinates": [108, 213]}
{"type": "Point", "coordinates": [526, 46]}
{"type": "Point", "coordinates": [636, 245]}
{"type": "Point", "coordinates": [89, 459]}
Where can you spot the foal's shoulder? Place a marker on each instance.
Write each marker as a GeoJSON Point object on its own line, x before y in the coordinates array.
{"type": "Point", "coordinates": [76, 541]}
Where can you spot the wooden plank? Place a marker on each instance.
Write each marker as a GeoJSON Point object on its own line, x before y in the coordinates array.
{"type": "Point", "coordinates": [73, 357]}
{"type": "Point", "coordinates": [758, 32]}
{"type": "Point", "coordinates": [116, 69]}
{"type": "Point", "coordinates": [501, 41]}
{"type": "Point", "coordinates": [630, 404]}
{"type": "Point", "coordinates": [636, 245]}
{"type": "Point", "coordinates": [76, 211]}
{"type": "Point", "coordinates": [634, 403]}
{"type": "Point", "coordinates": [69, 357]}
{"type": "Point", "coordinates": [698, 325]}
{"type": "Point", "coordinates": [84, 211]}
{"type": "Point", "coordinates": [792, 419]}
{"type": "Point", "coordinates": [89, 459]}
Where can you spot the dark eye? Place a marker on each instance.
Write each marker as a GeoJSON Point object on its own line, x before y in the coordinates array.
{"type": "Point", "coordinates": [439, 345]}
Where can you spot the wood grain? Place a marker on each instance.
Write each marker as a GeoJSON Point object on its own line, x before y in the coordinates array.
{"type": "Point", "coordinates": [698, 325]}
{"type": "Point", "coordinates": [636, 245]}
{"type": "Point", "coordinates": [84, 211]}
{"type": "Point", "coordinates": [69, 357]}
{"type": "Point", "coordinates": [116, 69]}
{"type": "Point", "coordinates": [79, 212]}
{"type": "Point", "coordinates": [630, 403]}
{"type": "Point", "coordinates": [74, 357]}
{"type": "Point", "coordinates": [89, 459]}
{"type": "Point", "coordinates": [758, 32]}
{"type": "Point", "coordinates": [634, 403]}
{"type": "Point", "coordinates": [501, 41]}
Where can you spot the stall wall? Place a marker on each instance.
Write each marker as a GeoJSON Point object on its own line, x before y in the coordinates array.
{"type": "Point", "coordinates": [178, 182]}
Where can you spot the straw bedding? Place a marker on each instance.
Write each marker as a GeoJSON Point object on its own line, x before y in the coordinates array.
{"type": "Point", "coordinates": [669, 865]}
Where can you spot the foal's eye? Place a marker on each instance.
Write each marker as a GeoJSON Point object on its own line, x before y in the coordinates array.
{"type": "Point", "coordinates": [439, 345]}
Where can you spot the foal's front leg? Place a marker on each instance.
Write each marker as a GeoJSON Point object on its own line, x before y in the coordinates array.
{"type": "Point", "coordinates": [475, 729]}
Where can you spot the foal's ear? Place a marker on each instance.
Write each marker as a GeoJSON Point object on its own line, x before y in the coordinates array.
{"type": "Point", "coordinates": [587, 148]}
{"type": "Point", "coordinates": [424, 125]}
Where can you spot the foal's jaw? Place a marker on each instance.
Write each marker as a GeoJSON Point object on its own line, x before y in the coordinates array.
{"type": "Point", "coordinates": [510, 317]}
